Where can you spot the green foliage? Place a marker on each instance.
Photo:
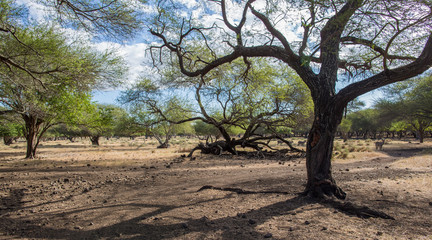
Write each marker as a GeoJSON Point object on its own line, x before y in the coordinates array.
{"type": "Point", "coordinates": [366, 120]}
{"type": "Point", "coordinates": [54, 77]}
{"type": "Point", "coordinates": [407, 105]}
{"type": "Point", "coordinates": [345, 125]}
{"type": "Point", "coordinates": [11, 129]}
{"type": "Point", "coordinates": [203, 129]}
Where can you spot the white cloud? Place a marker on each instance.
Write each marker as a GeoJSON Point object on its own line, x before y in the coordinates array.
{"type": "Point", "coordinates": [136, 58]}
{"type": "Point", "coordinates": [37, 11]}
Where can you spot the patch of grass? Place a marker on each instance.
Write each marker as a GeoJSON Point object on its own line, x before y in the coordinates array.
{"type": "Point", "coordinates": [344, 154]}
{"type": "Point", "coordinates": [337, 148]}
{"type": "Point", "coordinates": [352, 148]}
{"type": "Point", "coordinates": [184, 150]}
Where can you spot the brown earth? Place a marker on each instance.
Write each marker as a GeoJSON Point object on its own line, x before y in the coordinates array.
{"type": "Point", "coordinates": [128, 189]}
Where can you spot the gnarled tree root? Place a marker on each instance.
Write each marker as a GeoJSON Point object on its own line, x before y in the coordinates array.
{"type": "Point", "coordinates": [324, 189]}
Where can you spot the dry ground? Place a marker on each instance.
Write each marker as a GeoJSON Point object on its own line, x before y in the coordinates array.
{"type": "Point", "coordinates": [128, 189]}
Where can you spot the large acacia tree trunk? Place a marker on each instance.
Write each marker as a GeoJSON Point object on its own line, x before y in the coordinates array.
{"type": "Point", "coordinates": [319, 149]}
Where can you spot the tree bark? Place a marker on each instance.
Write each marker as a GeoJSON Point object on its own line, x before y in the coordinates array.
{"type": "Point", "coordinates": [320, 182]}
{"type": "Point", "coordinates": [32, 125]}
{"type": "Point", "coordinates": [8, 140]}
{"type": "Point", "coordinates": [95, 140]}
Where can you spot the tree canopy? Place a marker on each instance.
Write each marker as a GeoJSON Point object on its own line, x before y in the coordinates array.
{"type": "Point", "coordinates": [409, 104]}
{"type": "Point", "coordinates": [60, 95]}
{"type": "Point", "coordinates": [269, 98]}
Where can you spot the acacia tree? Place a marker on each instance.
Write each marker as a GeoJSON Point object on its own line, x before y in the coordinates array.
{"type": "Point", "coordinates": [61, 95]}
{"type": "Point", "coordinates": [389, 41]}
{"type": "Point", "coordinates": [269, 97]}
{"type": "Point", "coordinates": [409, 104]}
{"type": "Point", "coordinates": [150, 108]}
{"type": "Point", "coordinates": [99, 121]}
{"type": "Point", "coordinates": [10, 128]}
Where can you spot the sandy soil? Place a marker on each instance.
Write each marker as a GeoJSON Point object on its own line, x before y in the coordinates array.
{"type": "Point", "coordinates": [128, 189]}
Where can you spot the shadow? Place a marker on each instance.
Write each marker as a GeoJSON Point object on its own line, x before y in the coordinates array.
{"type": "Point", "coordinates": [148, 226]}
{"type": "Point", "coordinates": [13, 201]}
{"type": "Point", "coordinates": [135, 229]}
{"type": "Point", "coordinates": [12, 154]}
{"type": "Point", "coordinates": [407, 152]}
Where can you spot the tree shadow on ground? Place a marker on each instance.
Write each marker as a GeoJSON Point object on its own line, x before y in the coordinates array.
{"type": "Point", "coordinates": [405, 152]}
{"type": "Point", "coordinates": [148, 226]}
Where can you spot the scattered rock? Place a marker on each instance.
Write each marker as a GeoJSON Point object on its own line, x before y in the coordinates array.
{"type": "Point", "coordinates": [324, 229]}
{"type": "Point", "coordinates": [184, 225]}
{"type": "Point", "coordinates": [252, 222]}
{"type": "Point", "coordinates": [306, 222]}
{"type": "Point", "coordinates": [268, 235]}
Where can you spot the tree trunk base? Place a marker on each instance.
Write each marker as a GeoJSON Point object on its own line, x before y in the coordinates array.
{"type": "Point", "coordinates": [324, 190]}
{"type": "Point", "coordinates": [163, 145]}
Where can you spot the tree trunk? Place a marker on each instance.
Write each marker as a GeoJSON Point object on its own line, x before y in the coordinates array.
{"type": "Point", "coordinates": [95, 140]}
{"type": "Point", "coordinates": [320, 182]}
{"type": "Point", "coordinates": [7, 140]}
{"type": "Point", "coordinates": [421, 137]}
{"type": "Point", "coordinates": [32, 125]}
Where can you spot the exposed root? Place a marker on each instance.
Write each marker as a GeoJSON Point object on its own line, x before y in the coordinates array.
{"type": "Point", "coordinates": [239, 190]}
{"type": "Point", "coordinates": [325, 189]}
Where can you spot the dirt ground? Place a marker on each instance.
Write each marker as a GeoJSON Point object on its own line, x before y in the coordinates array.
{"type": "Point", "coordinates": [128, 189]}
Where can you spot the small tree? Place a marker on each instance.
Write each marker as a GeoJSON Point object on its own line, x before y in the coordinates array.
{"type": "Point", "coordinates": [10, 127]}
{"type": "Point", "coordinates": [151, 108]}
{"type": "Point", "coordinates": [99, 121]}
{"type": "Point", "coordinates": [60, 96]}
{"type": "Point", "coordinates": [345, 127]}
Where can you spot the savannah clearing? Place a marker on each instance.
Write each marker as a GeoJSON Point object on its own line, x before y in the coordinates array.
{"type": "Point", "coordinates": [129, 189]}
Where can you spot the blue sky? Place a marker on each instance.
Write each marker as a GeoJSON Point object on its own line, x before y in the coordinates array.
{"type": "Point", "coordinates": [106, 97]}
